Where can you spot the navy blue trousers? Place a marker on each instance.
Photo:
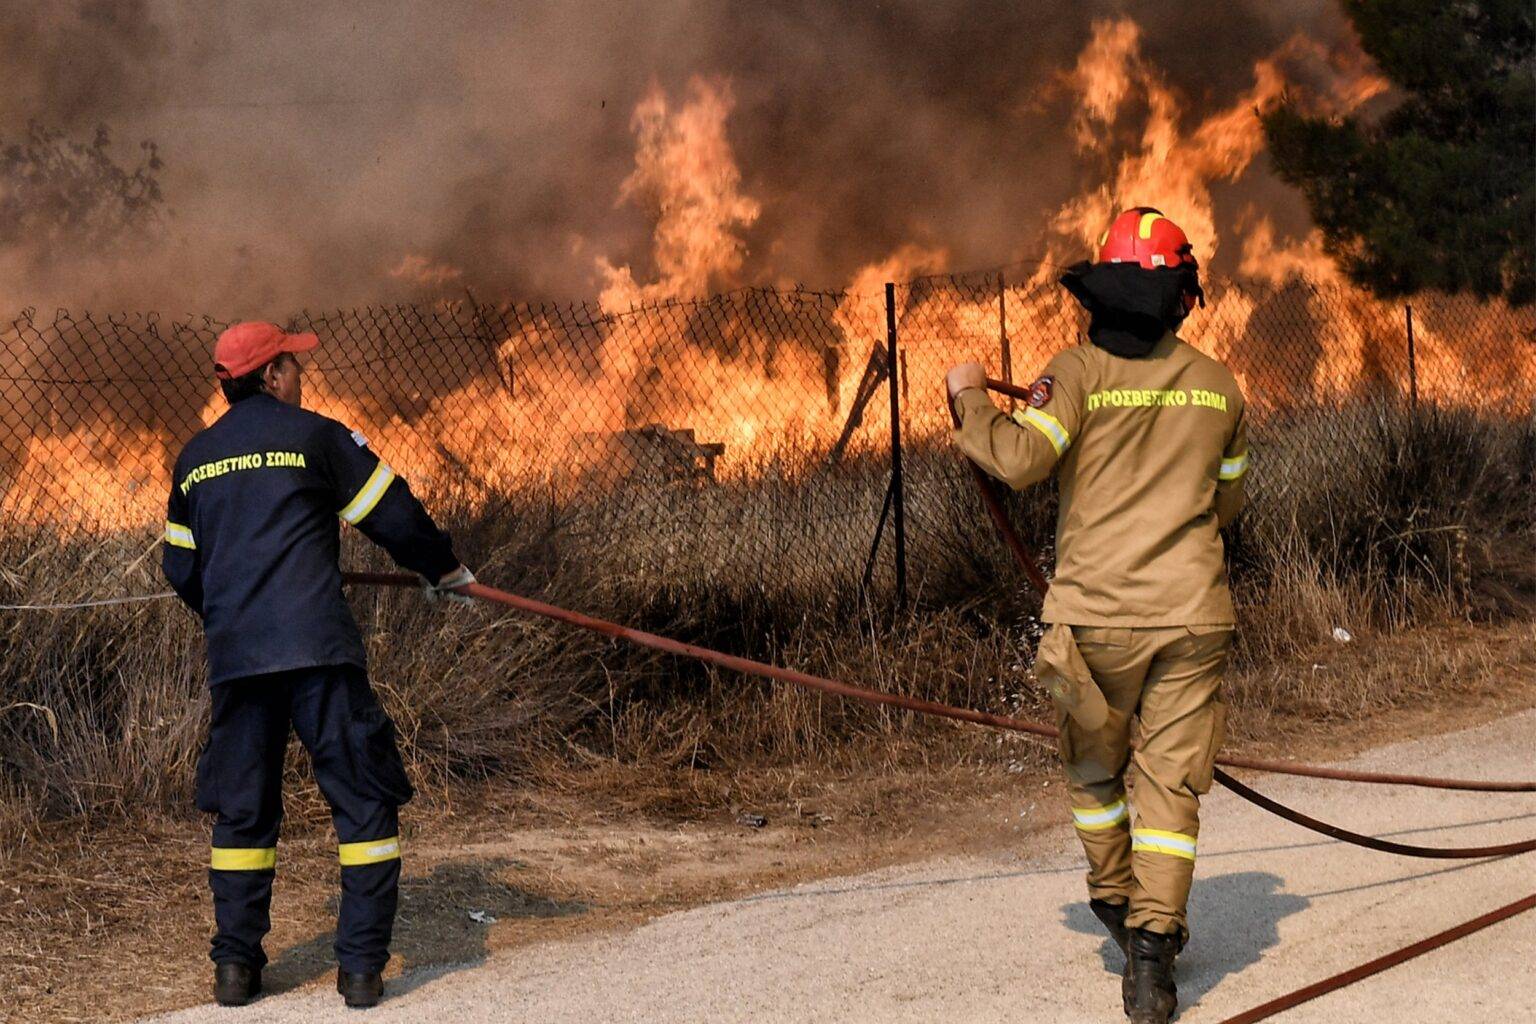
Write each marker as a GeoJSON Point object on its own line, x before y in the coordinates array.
{"type": "Point", "coordinates": [351, 743]}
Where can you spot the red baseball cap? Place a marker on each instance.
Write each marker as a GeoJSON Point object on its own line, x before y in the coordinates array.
{"type": "Point", "coordinates": [253, 344]}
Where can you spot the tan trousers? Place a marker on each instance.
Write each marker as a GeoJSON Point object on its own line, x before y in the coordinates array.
{"type": "Point", "coordinates": [1165, 683]}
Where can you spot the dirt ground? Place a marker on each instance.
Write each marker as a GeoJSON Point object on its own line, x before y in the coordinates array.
{"type": "Point", "coordinates": [100, 925]}
{"type": "Point", "coordinates": [1003, 935]}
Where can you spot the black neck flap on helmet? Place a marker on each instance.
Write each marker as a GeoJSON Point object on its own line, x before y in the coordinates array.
{"type": "Point", "coordinates": [1130, 307]}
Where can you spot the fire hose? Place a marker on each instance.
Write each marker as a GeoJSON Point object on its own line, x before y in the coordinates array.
{"type": "Point", "coordinates": [748, 666]}
{"type": "Point", "coordinates": [927, 707]}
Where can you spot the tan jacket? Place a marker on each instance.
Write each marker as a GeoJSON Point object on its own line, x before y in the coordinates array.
{"type": "Point", "coordinates": [1150, 454]}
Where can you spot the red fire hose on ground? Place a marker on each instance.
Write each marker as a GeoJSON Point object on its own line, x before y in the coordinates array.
{"type": "Point", "coordinates": [927, 707]}
{"type": "Point", "coordinates": [841, 689]}
{"type": "Point", "coordinates": [1027, 564]}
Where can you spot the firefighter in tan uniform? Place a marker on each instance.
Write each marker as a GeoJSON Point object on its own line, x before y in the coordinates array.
{"type": "Point", "coordinates": [1146, 436]}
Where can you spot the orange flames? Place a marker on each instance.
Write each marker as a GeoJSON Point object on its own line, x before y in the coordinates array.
{"type": "Point", "coordinates": [763, 372]}
{"type": "Point", "coordinates": [686, 174]}
{"type": "Point", "coordinates": [1173, 165]}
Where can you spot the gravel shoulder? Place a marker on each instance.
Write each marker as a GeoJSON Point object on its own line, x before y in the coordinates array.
{"type": "Point", "coordinates": [1007, 935]}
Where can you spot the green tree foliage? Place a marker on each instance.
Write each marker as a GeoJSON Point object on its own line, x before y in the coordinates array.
{"type": "Point", "coordinates": [1438, 194]}
{"type": "Point", "coordinates": [63, 197]}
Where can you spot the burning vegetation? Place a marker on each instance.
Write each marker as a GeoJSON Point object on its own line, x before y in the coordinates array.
{"type": "Point", "coordinates": [514, 394]}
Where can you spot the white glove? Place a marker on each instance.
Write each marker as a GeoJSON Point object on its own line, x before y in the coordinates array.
{"type": "Point", "coordinates": [444, 588]}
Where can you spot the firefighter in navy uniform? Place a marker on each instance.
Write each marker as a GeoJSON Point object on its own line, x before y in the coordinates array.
{"type": "Point", "coordinates": [252, 541]}
{"type": "Point", "coordinates": [1148, 442]}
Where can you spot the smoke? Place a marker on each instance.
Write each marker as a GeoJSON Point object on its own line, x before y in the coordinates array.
{"type": "Point", "coordinates": [67, 63]}
{"type": "Point", "coordinates": [332, 154]}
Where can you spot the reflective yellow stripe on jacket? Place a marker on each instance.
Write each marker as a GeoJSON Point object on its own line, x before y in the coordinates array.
{"type": "Point", "coordinates": [179, 536]}
{"type": "Point", "coordinates": [1234, 467]}
{"type": "Point", "coordinates": [366, 498]}
{"type": "Point", "coordinates": [1049, 425]}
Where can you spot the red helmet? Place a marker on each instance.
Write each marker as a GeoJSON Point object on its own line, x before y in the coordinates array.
{"type": "Point", "coordinates": [1143, 235]}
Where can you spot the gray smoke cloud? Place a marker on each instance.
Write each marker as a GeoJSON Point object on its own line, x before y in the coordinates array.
{"type": "Point", "coordinates": [312, 148]}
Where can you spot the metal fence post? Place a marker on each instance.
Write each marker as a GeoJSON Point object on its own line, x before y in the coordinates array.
{"type": "Point", "coordinates": [1006, 351]}
{"type": "Point", "coordinates": [897, 501]}
{"type": "Point", "coordinates": [1413, 367]}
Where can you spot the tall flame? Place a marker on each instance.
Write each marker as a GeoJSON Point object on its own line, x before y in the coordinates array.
{"type": "Point", "coordinates": [685, 170]}
{"type": "Point", "coordinates": [571, 392]}
{"type": "Point", "coordinates": [1173, 165]}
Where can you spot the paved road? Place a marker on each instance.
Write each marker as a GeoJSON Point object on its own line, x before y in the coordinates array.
{"type": "Point", "coordinates": [1007, 937]}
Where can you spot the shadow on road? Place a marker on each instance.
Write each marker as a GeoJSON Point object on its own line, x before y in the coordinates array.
{"type": "Point", "coordinates": [433, 927]}
{"type": "Point", "coordinates": [1234, 919]}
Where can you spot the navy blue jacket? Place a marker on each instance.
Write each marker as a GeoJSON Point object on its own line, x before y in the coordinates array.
{"type": "Point", "coordinates": [253, 535]}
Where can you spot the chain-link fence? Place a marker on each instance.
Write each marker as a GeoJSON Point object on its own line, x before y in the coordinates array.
{"type": "Point", "coordinates": [747, 434]}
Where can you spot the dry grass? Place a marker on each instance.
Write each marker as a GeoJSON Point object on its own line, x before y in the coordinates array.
{"type": "Point", "coordinates": [1415, 515]}
{"type": "Point", "coordinates": [102, 711]}
{"type": "Point", "coordinates": [1328, 686]}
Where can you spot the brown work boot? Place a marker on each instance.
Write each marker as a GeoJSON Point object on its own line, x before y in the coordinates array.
{"type": "Point", "coordinates": [1148, 989]}
{"type": "Point", "coordinates": [1112, 917]}
{"type": "Point", "coordinates": [235, 984]}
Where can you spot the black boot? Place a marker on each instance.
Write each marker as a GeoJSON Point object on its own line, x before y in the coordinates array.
{"type": "Point", "coordinates": [360, 990]}
{"type": "Point", "coordinates": [1112, 917]}
{"type": "Point", "coordinates": [235, 984]}
{"type": "Point", "coordinates": [1148, 991]}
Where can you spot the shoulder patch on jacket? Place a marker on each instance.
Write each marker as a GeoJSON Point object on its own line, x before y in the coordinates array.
{"type": "Point", "coordinates": [1040, 391]}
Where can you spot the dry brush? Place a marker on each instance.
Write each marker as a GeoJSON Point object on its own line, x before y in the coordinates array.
{"type": "Point", "coordinates": [1422, 518]}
